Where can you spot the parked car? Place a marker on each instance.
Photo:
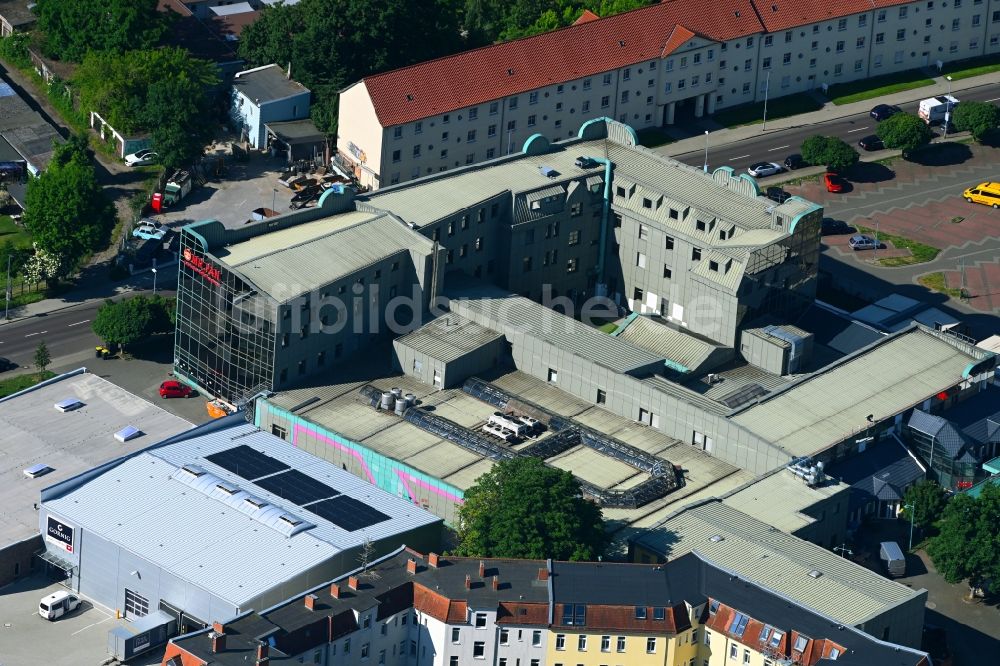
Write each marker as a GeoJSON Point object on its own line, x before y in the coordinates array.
{"type": "Point", "coordinates": [832, 227]}
{"type": "Point", "coordinates": [141, 158]}
{"type": "Point", "coordinates": [777, 194]}
{"type": "Point", "coordinates": [987, 193]}
{"type": "Point", "coordinates": [6, 364]}
{"type": "Point", "coordinates": [862, 242]}
{"type": "Point", "coordinates": [883, 111]}
{"type": "Point", "coordinates": [871, 142]}
{"type": "Point", "coordinates": [834, 183]}
{"type": "Point", "coordinates": [57, 604]}
{"type": "Point", "coordinates": [765, 169]}
{"type": "Point", "coordinates": [174, 389]}
{"type": "Point", "coordinates": [794, 161]}
{"type": "Point", "coordinates": [149, 230]}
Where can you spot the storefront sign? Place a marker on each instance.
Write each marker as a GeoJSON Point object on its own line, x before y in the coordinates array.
{"type": "Point", "coordinates": [201, 267]}
{"type": "Point", "coordinates": [60, 534]}
{"type": "Point", "coordinates": [357, 152]}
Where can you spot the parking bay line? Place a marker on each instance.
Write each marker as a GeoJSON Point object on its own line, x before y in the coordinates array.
{"type": "Point", "coordinates": [90, 625]}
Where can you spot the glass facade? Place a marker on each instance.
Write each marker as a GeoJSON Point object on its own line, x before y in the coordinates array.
{"type": "Point", "coordinates": [944, 469]}
{"type": "Point", "coordinates": [225, 333]}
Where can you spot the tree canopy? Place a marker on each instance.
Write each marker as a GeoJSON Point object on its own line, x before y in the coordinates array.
{"type": "Point", "coordinates": [66, 210]}
{"type": "Point", "coordinates": [523, 508]}
{"type": "Point", "coordinates": [968, 545]}
{"type": "Point", "coordinates": [928, 500]}
{"type": "Point", "coordinates": [977, 118]}
{"type": "Point", "coordinates": [72, 28]}
{"type": "Point", "coordinates": [499, 20]}
{"type": "Point", "coordinates": [905, 132]}
{"type": "Point", "coordinates": [130, 320]}
{"type": "Point", "coordinates": [829, 151]}
{"type": "Point", "coordinates": [163, 91]}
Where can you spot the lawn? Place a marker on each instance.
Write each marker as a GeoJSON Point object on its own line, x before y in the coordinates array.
{"type": "Point", "coordinates": [779, 107]}
{"type": "Point", "coordinates": [651, 137]}
{"type": "Point", "coordinates": [919, 252]}
{"type": "Point", "coordinates": [972, 67]}
{"type": "Point", "coordinates": [21, 382]}
{"type": "Point", "coordinates": [856, 91]}
{"type": "Point", "coordinates": [14, 233]}
{"type": "Point", "coordinates": [936, 282]}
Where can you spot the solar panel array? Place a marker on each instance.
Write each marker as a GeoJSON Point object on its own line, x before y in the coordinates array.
{"type": "Point", "coordinates": [347, 513]}
{"type": "Point", "coordinates": [247, 462]}
{"type": "Point", "coordinates": [296, 487]}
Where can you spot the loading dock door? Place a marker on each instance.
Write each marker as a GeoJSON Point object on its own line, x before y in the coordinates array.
{"type": "Point", "coordinates": [135, 605]}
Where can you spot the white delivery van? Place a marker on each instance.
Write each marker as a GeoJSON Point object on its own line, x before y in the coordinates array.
{"type": "Point", "coordinates": [893, 558]}
{"type": "Point", "coordinates": [933, 109]}
{"type": "Point", "coordinates": [58, 604]}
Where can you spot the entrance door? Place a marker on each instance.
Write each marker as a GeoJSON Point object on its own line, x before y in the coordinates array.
{"type": "Point", "coordinates": [135, 604]}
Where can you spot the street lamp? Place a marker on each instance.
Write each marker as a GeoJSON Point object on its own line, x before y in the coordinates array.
{"type": "Point", "coordinates": [767, 86]}
{"type": "Point", "coordinates": [912, 509]}
{"type": "Point", "coordinates": [274, 193]}
{"type": "Point", "coordinates": [706, 151]}
{"type": "Point", "coordinates": [947, 109]}
{"type": "Point", "coordinates": [154, 282]}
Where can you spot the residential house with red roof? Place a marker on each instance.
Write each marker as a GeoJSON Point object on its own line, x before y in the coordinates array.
{"type": "Point", "coordinates": [651, 67]}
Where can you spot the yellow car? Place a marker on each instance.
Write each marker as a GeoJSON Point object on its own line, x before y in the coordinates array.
{"type": "Point", "coordinates": [987, 194]}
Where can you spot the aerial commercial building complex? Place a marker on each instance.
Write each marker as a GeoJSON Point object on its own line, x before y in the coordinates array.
{"type": "Point", "coordinates": [431, 610]}
{"type": "Point", "coordinates": [649, 67]}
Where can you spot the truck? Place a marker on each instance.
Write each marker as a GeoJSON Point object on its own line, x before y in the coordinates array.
{"type": "Point", "coordinates": [934, 109]}
{"type": "Point", "coordinates": [177, 187]}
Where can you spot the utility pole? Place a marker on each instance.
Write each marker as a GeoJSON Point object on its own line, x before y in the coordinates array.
{"type": "Point", "coordinates": [912, 509]}
{"type": "Point", "coordinates": [767, 87]}
{"type": "Point", "coordinates": [6, 311]}
{"type": "Point", "coordinates": [875, 255]}
{"type": "Point", "coordinates": [947, 110]}
{"type": "Point", "coordinates": [154, 282]}
{"type": "Point", "coordinates": [706, 151]}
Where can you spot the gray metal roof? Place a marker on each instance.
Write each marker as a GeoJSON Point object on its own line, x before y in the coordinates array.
{"type": "Point", "coordinates": [515, 315]}
{"type": "Point", "coordinates": [296, 131]}
{"type": "Point", "coordinates": [208, 539]}
{"type": "Point", "coordinates": [448, 338]}
{"type": "Point", "coordinates": [671, 344]}
{"type": "Point", "coordinates": [267, 84]}
{"type": "Point", "coordinates": [882, 470]}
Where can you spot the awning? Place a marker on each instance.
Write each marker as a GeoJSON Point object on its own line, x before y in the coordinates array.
{"type": "Point", "coordinates": [295, 132]}
{"type": "Point", "coordinates": [56, 561]}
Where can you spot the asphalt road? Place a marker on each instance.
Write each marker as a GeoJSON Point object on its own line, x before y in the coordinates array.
{"type": "Point", "coordinates": [774, 146]}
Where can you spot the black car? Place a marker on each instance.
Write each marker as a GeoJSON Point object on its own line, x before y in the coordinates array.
{"type": "Point", "coordinates": [871, 142]}
{"type": "Point", "coordinates": [585, 162]}
{"type": "Point", "coordinates": [832, 227]}
{"type": "Point", "coordinates": [883, 111]}
{"type": "Point", "coordinates": [6, 364]}
{"type": "Point", "coordinates": [777, 194]}
{"type": "Point", "coordinates": [794, 161]}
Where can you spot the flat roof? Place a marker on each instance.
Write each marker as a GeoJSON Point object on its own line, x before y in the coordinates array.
{"type": "Point", "coordinates": [780, 499]}
{"type": "Point", "coordinates": [884, 379]}
{"type": "Point", "coordinates": [208, 538]}
{"type": "Point", "coordinates": [680, 348]}
{"type": "Point", "coordinates": [70, 443]}
{"type": "Point", "coordinates": [756, 551]}
{"type": "Point", "coordinates": [266, 84]}
{"type": "Point", "coordinates": [448, 338]}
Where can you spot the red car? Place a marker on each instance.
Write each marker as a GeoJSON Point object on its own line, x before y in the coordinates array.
{"type": "Point", "coordinates": [174, 389]}
{"type": "Point", "coordinates": [834, 183]}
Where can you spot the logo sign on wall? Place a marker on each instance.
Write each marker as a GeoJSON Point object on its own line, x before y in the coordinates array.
{"type": "Point", "coordinates": [60, 534]}
{"type": "Point", "coordinates": [201, 267]}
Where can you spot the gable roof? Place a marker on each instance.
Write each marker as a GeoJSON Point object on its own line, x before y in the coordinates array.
{"type": "Point", "coordinates": [584, 49]}
{"type": "Point", "coordinates": [883, 472]}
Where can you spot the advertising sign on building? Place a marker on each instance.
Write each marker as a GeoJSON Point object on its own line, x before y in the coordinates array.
{"type": "Point", "coordinates": [60, 534]}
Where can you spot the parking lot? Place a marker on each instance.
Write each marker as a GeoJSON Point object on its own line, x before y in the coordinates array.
{"type": "Point", "coordinates": [77, 639]}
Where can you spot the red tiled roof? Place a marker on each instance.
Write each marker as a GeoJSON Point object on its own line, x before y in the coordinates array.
{"type": "Point", "coordinates": [679, 35]}
{"type": "Point", "coordinates": [777, 15]}
{"type": "Point", "coordinates": [586, 17]}
{"type": "Point", "coordinates": [492, 72]}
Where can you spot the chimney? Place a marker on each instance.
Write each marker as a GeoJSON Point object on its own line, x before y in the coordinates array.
{"type": "Point", "coordinates": [496, 583]}
{"type": "Point", "coordinates": [263, 651]}
{"type": "Point", "coordinates": [334, 590]}
{"type": "Point", "coordinates": [218, 640]}
{"type": "Point", "coordinates": [352, 582]}
{"type": "Point", "coordinates": [468, 582]}
{"type": "Point", "coordinates": [310, 601]}
{"type": "Point", "coordinates": [432, 560]}
{"type": "Point", "coordinates": [482, 569]}
{"type": "Point", "coordinates": [411, 566]}
{"type": "Point", "coordinates": [543, 574]}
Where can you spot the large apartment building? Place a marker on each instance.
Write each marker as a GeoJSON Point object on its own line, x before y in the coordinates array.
{"type": "Point", "coordinates": [649, 67]}
{"type": "Point", "coordinates": [414, 610]}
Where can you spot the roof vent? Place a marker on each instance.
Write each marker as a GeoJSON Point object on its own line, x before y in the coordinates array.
{"type": "Point", "coordinates": [815, 574]}
{"type": "Point", "coordinates": [621, 43]}
{"type": "Point", "coordinates": [409, 98]}
{"type": "Point", "coordinates": [737, 12]}
{"type": "Point", "coordinates": [717, 538]}
{"type": "Point", "coordinates": [68, 405]}
{"type": "Point", "coordinates": [127, 433]}
{"type": "Point", "coordinates": [35, 471]}
{"type": "Point", "coordinates": [774, 8]}
{"type": "Point", "coordinates": [510, 71]}
{"type": "Point", "coordinates": [193, 470]}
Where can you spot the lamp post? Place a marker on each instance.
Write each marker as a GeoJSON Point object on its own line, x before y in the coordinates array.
{"type": "Point", "coordinates": [7, 292]}
{"type": "Point", "coordinates": [947, 110]}
{"type": "Point", "coordinates": [706, 151]}
{"type": "Point", "coordinates": [767, 87]}
{"type": "Point", "coordinates": [875, 253]}
{"type": "Point", "coordinates": [912, 509]}
{"type": "Point", "coordinates": [274, 193]}
{"type": "Point", "coordinates": [154, 282]}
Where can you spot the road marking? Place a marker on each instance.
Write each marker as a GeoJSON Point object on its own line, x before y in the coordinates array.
{"type": "Point", "coordinates": [771, 150]}
{"type": "Point", "coordinates": [38, 333]}
{"type": "Point", "coordinates": [79, 322]}
{"type": "Point", "coordinates": [89, 626]}
{"type": "Point", "coordinates": [993, 100]}
{"type": "Point", "coordinates": [733, 159]}
{"type": "Point", "coordinates": [858, 129]}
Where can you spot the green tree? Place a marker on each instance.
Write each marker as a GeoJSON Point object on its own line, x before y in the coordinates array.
{"type": "Point", "coordinates": [42, 358]}
{"type": "Point", "coordinates": [66, 211]}
{"type": "Point", "coordinates": [523, 508]}
{"type": "Point", "coordinates": [124, 322]}
{"type": "Point", "coordinates": [829, 151]}
{"type": "Point", "coordinates": [978, 118]}
{"type": "Point", "coordinates": [72, 28]}
{"type": "Point", "coordinates": [968, 544]}
{"type": "Point", "coordinates": [499, 20]}
{"type": "Point", "coordinates": [163, 311]}
{"type": "Point", "coordinates": [904, 131]}
{"type": "Point", "coordinates": [928, 500]}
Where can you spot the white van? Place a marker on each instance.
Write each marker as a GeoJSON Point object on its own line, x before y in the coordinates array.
{"type": "Point", "coordinates": [58, 604]}
{"type": "Point", "coordinates": [893, 559]}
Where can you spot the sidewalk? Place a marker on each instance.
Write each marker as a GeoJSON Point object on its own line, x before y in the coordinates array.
{"type": "Point", "coordinates": [829, 112]}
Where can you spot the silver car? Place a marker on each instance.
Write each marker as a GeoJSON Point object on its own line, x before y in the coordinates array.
{"type": "Point", "coordinates": [765, 169]}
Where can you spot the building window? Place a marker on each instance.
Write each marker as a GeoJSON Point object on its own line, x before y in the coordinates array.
{"type": "Point", "coordinates": [473, 113]}
{"type": "Point", "coordinates": [901, 34]}
{"type": "Point", "coordinates": [640, 611]}
{"type": "Point", "coordinates": [602, 397]}
{"type": "Point", "coordinates": [531, 120]}
{"type": "Point", "coordinates": [659, 613]}
{"type": "Point", "coordinates": [667, 273]}
{"type": "Point", "coordinates": [696, 254]}
{"type": "Point", "coordinates": [571, 266]}
{"type": "Point", "coordinates": [581, 643]}
{"type": "Point", "coordinates": [586, 84]}
{"type": "Point", "coordinates": [536, 635]}
{"type": "Point", "coordinates": [453, 660]}
{"type": "Point", "coordinates": [491, 130]}
{"type": "Point", "coordinates": [766, 64]}
{"type": "Point", "coordinates": [605, 643]}
{"type": "Point", "coordinates": [746, 656]}
{"type": "Point", "coordinates": [574, 236]}
{"type": "Point", "coordinates": [669, 241]}
{"type": "Point", "coordinates": [734, 651]}
{"type": "Point", "coordinates": [512, 104]}
{"type": "Point", "coordinates": [859, 43]}
{"type": "Point", "coordinates": [840, 46]}
{"type": "Point", "coordinates": [456, 635]}
{"type": "Point", "coordinates": [620, 647]}
{"type": "Point", "coordinates": [553, 376]}
{"type": "Point", "coordinates": [504, 637]}
{"type": "Point", "coordinates": [627, 74]}
{"type": "Point", "coordinates": [880, 38]}
{"type": "Point", "coordinates": [560, 638]}
{"type": "Point", "coordinates": [471, 136]}
{"type": "Point", "coordinates": [395, 156]}
{"type": "Point", "coordinates": [606, 101]}
{"type": "Point", "coordinates": [480, 620]}
{"type": "Point", "coordinates": [640, 260]}
{"type": "Point", "coordinates": [708, 638]}
{"type": "Point", "coordinates": [650, 645]}
{"type": "Point", "coordinates": [533, 97]}
{"type": "Point", "coordinates": [881, 16]}
{"type": "Point", "coordinates": [494, 108]}
{"type": "Point", "coordinates": [637, 295]}
{"type": "Point", "coordinates": [479, 650]}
